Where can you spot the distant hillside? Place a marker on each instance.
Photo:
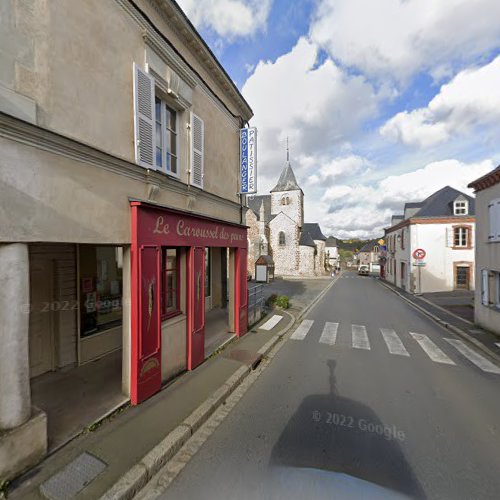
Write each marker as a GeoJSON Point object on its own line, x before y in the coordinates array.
{"type": "Point", "coordinates": [351, 245]}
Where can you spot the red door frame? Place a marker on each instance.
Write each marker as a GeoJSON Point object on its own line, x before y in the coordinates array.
{"type": "Point", "coordinates": [196, 307]}
{"type": "Point", "coordinates": [154, 226]}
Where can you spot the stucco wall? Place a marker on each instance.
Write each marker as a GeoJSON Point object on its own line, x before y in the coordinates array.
{"type": "Point", "coordinates": [438, 273]}
{"type": "Point", "coordinates": [74, 60]}
{"type": "Point", "coordinates": [487, 257]}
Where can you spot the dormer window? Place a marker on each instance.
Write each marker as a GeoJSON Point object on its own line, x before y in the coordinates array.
{"type": "Point", "coordinates": [460, 207]}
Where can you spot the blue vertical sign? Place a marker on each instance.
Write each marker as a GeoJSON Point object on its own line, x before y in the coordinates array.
{"type": "Point", "coordinates": [248, 160]}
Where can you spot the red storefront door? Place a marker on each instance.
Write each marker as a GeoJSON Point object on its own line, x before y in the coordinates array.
{"type": "Point", "coordinates": [146, 366]}
{"type": "Point", "coordinates": [196, 291]}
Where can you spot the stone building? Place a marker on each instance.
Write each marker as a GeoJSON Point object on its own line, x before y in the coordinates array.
{"type": "Point", "coordinates": [277, 228]}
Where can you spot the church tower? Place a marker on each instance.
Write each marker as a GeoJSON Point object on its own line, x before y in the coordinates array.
{"type": "Point", "coordinates": [287, 196]}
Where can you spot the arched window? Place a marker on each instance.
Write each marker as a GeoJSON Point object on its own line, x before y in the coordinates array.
{"type": "Point", "coordinates": [281, 238]}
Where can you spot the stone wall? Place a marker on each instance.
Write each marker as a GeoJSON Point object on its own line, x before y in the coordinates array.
{"type": "Point", "coordinates": [286, 257]}
{"type": "Point", "coordinates": [307, 261]}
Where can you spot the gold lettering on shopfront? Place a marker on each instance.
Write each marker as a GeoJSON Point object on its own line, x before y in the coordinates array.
{"type": "Point", "coordinates": [161, 227]}
{"type": "Point", "coordinates": [183, 229]}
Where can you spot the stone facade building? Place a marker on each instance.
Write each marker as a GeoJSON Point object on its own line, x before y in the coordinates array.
{"type": "Point", "coordinates": [277, 228]}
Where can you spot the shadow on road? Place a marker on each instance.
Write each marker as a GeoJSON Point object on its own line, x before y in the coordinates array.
{"type": "Point", "coordinates": [332, 433]}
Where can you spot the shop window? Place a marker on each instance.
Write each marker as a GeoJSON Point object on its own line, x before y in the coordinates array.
{"type": "Point", "coordinates": [166, 137]}
{"type": "Point", "coordinates": [208, 273]}
{"type": "Point", "coordinates": [101, 286]}
{"type": "Point", "coordinates": [170, 303]}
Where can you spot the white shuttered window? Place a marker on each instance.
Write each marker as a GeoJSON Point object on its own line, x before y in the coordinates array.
{"type": "Point", "coordinates": [144, 118]}
{"type": "Point", "coordinates": [197, 150]}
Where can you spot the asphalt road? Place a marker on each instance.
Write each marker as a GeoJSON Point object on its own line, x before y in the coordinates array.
{"type": "Point", "coordinates": [347, 411]}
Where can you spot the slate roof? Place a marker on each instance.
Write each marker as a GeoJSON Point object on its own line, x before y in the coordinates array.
{"type": "Point", "coordinates": [255, 202]}
{"type": "Point", "coordinates": [412, 208]}
{"type": "Point", "coordinates": [306, 240]}
{"type": "Point", "coordinates": [440, 203]}
{"type": "Point", "coordinates": [331, 242]}
{"type": "Point", "coordinates": [314, 230]}
{"type": "Point", "coordinates": [287, 180]}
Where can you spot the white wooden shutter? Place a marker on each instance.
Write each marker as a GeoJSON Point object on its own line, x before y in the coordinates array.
{"type": "Point", "coordinates": [197, 149]}
{"type": "Point", "coordinates": [484, 287]}
{"type": "Point", "coordinates": [449, 236]}
{"type": "Point", "coordinates": [496, 219]}
{"type": "Point", "coordinates": [144, 118]}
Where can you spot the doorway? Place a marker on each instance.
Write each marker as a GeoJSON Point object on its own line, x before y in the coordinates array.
{"type": "Point", "coordinates": [462, 277]}
{"type": "Point", "coordinates": [217, 317]}
{"type": "Point", "coordinates": [403, 275]}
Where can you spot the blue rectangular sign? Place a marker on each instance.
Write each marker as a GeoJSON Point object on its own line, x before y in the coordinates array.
{"type": "Point", "coordinates": [248, 160]}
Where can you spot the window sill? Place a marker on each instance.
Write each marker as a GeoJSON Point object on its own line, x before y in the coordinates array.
{"type": "Point", "coordinates": [461, 248]}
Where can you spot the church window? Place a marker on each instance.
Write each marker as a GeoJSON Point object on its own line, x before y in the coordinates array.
{"type": "Point", "coordinates": [281, 238]}
{"type": "Point", "coordinates": [285, 200]}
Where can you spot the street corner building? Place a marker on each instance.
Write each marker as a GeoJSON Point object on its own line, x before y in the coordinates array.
{"type": "Point", "coordinates": [123, 249]}
{"type": "Point", "coordinates": [430, 247]}
{"type": "Point", "coordinates": [276, 228]}
{"type": "Point", "coordinates": [487, 292]}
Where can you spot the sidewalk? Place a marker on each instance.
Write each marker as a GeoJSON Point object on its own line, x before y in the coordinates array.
{"type": "Point", "coordinates": [117, 458]}
{"type": "Point", "coordinates": [453, 314]}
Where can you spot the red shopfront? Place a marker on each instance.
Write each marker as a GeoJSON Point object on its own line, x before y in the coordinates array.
{"type": "Point", "coordinates": [155, 229]}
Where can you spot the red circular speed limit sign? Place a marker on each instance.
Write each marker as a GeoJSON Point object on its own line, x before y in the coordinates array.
{"type": "Point", "coordinates": [419, 253]}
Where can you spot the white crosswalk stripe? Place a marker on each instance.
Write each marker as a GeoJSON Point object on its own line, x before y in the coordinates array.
{"type": "Point", "coordinates": [271, 323]}
{"type": "Point", "coordinates": [474, 357]}
{"type": "Point", "coordinates": [360, 337]}
{"type": "Point", "coordinates": [431, 349]}
{"type": "Point", "coordinates": [302, 330]}
{"type": "Point", "coordinates": [393, 342]}
{"type": "Point", "coordinates": [329, 335]}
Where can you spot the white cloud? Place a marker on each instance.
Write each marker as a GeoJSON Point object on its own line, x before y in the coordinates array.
{"type": "Point", "coordinates": [398, 38]}
{"type": "Point", "coordinates": [331, 170]}
{"type": "Point", "coordinates": [360, 210]}
{"type": "Point", "coordinates": [318, 107]}
{"type": "Point", "coordinates": [228, 18]}
{"type": "Point", "coordinates": [472, 98]}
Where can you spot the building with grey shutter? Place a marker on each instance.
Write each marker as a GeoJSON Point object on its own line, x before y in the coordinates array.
{"type": "Point", "coordinates": [277, 228]}
{"type": "Point", "coordinates": [108, 111]}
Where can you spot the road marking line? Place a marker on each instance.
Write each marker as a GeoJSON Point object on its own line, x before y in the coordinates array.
{"type": "Point", "coordinates": [302, 330]}
{"type": "Point", "coordinates": [476, 332]}
{"type": "Point", "coordinates": [474, 357]}
{"type": "Point", "coordinates": [271, 323]}
{"type": "Point", "coordinates": [360, 337]}
{"type": "Point", "coordinates": [393, 342]}
{"type": "Point", "coordinates": [497, 344]}
{"type": "Point", "coordinates": [431, 349]}
{"type": "Point", "coordinates": [329, 335]}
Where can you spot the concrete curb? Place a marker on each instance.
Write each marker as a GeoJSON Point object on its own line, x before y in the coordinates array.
{"type": "Point", "coordinates": [445, 310]}
{"type": "Point", "coordinates": [138, 476]}
{"type": "Point", "coordinates": [493, 356]}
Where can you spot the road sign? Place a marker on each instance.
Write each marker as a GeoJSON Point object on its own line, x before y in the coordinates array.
{"type": "Point", "coordinates": [381, 242]}
{"type": "Point", "coordinates": [420, 263]}
{"type": "Point", "coordinates": [419, 253]}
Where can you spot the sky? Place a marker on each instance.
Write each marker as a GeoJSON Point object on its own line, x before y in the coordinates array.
{"type": "Point", "coordinates": [383, 101]}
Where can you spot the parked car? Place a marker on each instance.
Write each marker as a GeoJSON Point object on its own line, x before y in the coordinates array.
{"type": "Point", "coordinates": [363, 270]}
